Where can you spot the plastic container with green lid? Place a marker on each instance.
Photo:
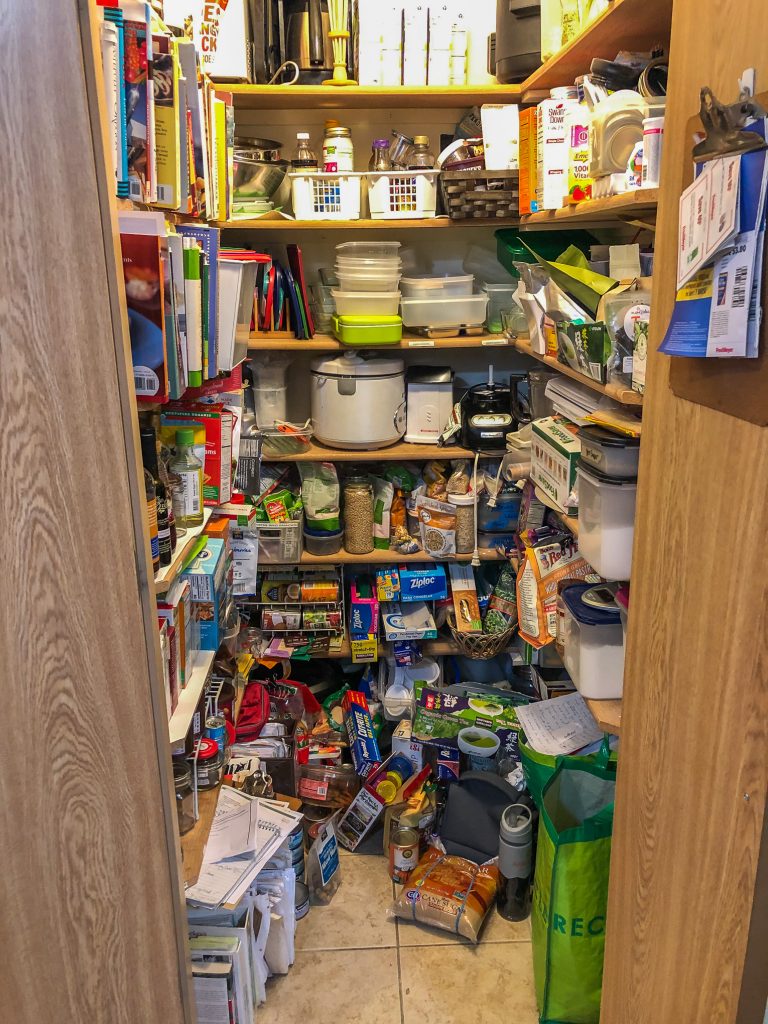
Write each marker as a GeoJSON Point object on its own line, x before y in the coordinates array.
{"type": "Point", "coordinates": [368, 330]}
{"type": "Point", "coordinates": [548, 244]}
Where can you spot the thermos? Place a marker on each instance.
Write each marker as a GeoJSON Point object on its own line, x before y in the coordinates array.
{"type": "Point", "coordinates": [515, 862]}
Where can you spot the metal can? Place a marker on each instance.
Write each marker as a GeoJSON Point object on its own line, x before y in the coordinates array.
{"type": "Point", "coordinates": [216, 729]}
{"type": "Point", "coordinates": [403, 853]}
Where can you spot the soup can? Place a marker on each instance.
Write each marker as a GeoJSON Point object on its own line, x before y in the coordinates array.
{"type": "Point", "coordinates": [216, 729]}
{"type": "Point", "coordinates": [403, 853]}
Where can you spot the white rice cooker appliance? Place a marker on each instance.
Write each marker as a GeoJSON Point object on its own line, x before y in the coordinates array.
{"type": "Point", "coordinates": [430, 402]}
{"type": "Point", "coordinates": [358, 402]}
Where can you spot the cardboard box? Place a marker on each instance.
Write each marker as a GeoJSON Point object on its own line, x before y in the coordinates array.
{"type": "Point", "coordinates": [363, 615]}
{"type": "Point", "coordinates": [217, 471]}
{"type": "Point", "coordinates": [176, 608]}
{"type": "Point", "coordinates": [363, 745]}
{"type": "Point", "coordinates": [466, 609]}
{"type": "Point", "coordinates": [589, 349]}
{"type": "Point", "coordinates": [528, 160]}
{"type": "Point", "coordinates": [552, 152]}
{"type": "Point", "coordinates": [387, 584]}
{"type": "Point", "coordinates": [501, 135]}
{"type": "Point", "coordinates": [367, 807]}
{"type": "Point", "coordinates": [220, 33]}
{"type": "Point", "coordinates": [555, 451]}
{"type": "Point", "coordinates": [419, 583]}
{"type": "Point", "coordinates": [408, 622]}
{"type": "Point", "coordinates": [207, 580]}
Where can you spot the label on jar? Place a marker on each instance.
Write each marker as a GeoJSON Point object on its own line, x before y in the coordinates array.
{"type": "Point", "coordinates": [316, 788]}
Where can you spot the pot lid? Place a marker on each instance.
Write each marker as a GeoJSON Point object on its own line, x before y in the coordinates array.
{"type": "Point", "coordinates": [606, 438]}
{"type": "Point", "coordinates": [353, 365]}
{"type": "Point", "coordinates": [597, 477]}
{"type": "Point", "coordinates": [429, 375]}
{"type": "Point", "coordinates": [582, 612]}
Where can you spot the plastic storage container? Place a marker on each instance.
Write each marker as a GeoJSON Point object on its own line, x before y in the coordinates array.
{"type": "Point", "coordinates": [501, 299]}
{"type": "Point", "coordinates": [367, 280]}
{"type": "Point", "coordinates": [366, 330]}
{"type": "Point", "coordinates": [502, 517]}
{"type": "Point", "coordinates": [325, 784]}
{"type": "Point", "coordinates": [270, 404]}
{"type": "Point", "coordinates": [593, 646]}
{"type": "Point", "coordinates": [461, 311]}
{"type": "Point", "coordinates": [280, 542]}
{"type": "Point", "coordinates": [366, 303]}
{"type": "Point", "coordinates": [288, 441]}
{"type": "Point", "coordinates": [318, 196]}
{"type": "Point", "coordinates": [609, 453]}
{"type": "Point", "coordinates": [606, 522]}
{"type": "Point", "coordinates": [318, 542]}
{"type": "Point", "coordinates": [367, 251]}
{"type": "Point", "coordinates": [402, 195]}
{"type": "Point", "coordinates": [437, 286]}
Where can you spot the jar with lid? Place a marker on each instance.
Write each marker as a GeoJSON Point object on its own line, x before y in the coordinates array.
{"type": "Point", "coordinates": [465, 522]}
{"type": "Point", "coordinates": [304, 158]}
{"type": "Point", "coordinates": [338, 152]}
{"type": "Point", "coordinates": [185, 797]}
{"type": "Point", "coordinates": [209, 764]}
{"type": "Point", "coordinates": [380, 156]}
{"type": "Point", "coordinates": [420, 158]}
{"type": "Point", "coordinates": [358, 515]}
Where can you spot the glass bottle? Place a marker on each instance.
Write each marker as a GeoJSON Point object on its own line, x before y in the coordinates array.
{"type": "Point", "coordinates": [148, 454]}
{"type": "Point", "coordinates": [380, 156]}
{"type": "Point", "coordinates": [358, 515]}
{"type": "Point", "coordinates": [420, 158]}
{"type": "Point", "coordinates": [338, 151]}
{"type": "Point", "coordinates": [304, 158]}
{"type": "Point", "coordinates": [188, 496]}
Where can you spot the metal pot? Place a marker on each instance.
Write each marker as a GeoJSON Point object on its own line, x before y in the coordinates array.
{"type": "Point", "coordinates": [257, 179]}
{"type": "Point", "coordinates": [266, 150]}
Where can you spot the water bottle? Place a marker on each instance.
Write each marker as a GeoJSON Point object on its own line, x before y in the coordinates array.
{"type": "Point", "coordinates": [513, 901]}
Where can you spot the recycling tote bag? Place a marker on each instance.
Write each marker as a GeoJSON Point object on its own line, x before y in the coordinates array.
{"type": "Point", "coordinates": [570, 892]}
{"type": "Point", "coordinates": [539, 768]}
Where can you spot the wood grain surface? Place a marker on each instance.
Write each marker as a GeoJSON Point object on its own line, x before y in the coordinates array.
{"type": "Point", "coordinates": [89, 922]}
{"type": "Point", "coordinates": [694, 757]}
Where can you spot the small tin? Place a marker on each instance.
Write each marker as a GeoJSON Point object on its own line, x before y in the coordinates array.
{"type": "Point", "coordinates": [216, 729]}
{"type": "Point", "coordinates": [301, 900]}
{"type": "Point", "coordinates": [403, 854]}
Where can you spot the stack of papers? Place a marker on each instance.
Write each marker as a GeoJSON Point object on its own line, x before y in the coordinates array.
{"type": "Point", "coordinates": [245, 834]}
{"type": "Point", "coordinates": [561, 725]}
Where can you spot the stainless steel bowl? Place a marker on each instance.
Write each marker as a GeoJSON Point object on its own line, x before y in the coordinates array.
{"type": "Point", "coordinates": [266, 150]}
{"type": "Point", "coordinates": [257, 179]}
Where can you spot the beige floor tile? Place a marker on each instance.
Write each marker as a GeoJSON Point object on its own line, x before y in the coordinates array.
{"type": "Point", "coordinates": [496, 929]}
{"type": "Point", "coordinates": [357, 916]}
{"type": "Point", "coordinates": [353, 986]}
{"type": "Point", "coordinates": [492, 983]}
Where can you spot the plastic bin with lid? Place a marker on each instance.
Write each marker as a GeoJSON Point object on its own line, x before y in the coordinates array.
{"type": "Point", "coordinates": [436, 286]}
{"type": "Point", "coordinates": [548, 244]}
{"type": "Point", "coordinates": [367, 281]}
{"type": "Point", "coordinates": [609, 453]}
{"type": "Point", "coordinates": [366, 303]}
{"type": "Point", "coordinates": [593, 645]}
{"type": "Point", "coordinates": [361, 331]}
{"type": "Point", "coordinates": [280, 542]}
{"type": "Point", "coordinates": [501, 517]}
{"type": "Point", "coordinates": [458, 311]}
{"type": "Point", "coordinates": [368, 250]}
{"type": "Point", "coordinates": [606, 522]}
{"type": "Point", "coordinates": [320, 542]}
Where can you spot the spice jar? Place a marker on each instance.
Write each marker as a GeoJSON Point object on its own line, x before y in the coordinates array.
{"type": "Point", "coordinates": [465, 522]}
{"type": "Point", "coordinates": [210, 761]}
{"type": "Point", "coordinates": [185, 798]}
{"type": "Point", "coordinates": [358, 515]}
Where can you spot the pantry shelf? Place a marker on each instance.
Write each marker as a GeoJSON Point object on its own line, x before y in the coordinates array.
{"type": "Point", "coordinates": [180, 720]}
{"type": "Point", "coordinates": [607, 714]}
{"type": "Point", "coordinates": [369, 97]}
{"type": "Point", "coordinates": [282, 224]}
{"type": "Point", "coordinates": [327, 343]}
{"type": "Point", "coordinates": [569, 522]}
{"type": "Point", "coordinates": [635, 25]}
{"type": "Point", "coordinates": [165, 577]}
{"type": "Point", "coordinates": [193, 843]}
{"type": "Point", "coordinates": [396, 452]}
{"type": "Point", "coordinates": [615, 391]}
{"type": "Point", "coordinates": [389, 557]}
{"type": "Point", "coordinates": [627, 205]}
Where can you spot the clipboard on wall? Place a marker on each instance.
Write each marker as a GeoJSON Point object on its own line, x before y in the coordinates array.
{"type": "Point", "coordinates": [736, 387]}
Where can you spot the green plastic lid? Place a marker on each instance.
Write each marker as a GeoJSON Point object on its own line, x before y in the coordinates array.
{"type": "Point", "coordinates": [185, 435]}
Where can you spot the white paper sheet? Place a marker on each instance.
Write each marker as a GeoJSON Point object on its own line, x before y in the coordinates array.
{"type": "Point", "coordinates": [559, 726]}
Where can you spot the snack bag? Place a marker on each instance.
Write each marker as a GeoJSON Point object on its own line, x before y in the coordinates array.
{"type": "Point", "coordinates": [438, 527]}
{"type": "Point", "coordinates": [540, 569]}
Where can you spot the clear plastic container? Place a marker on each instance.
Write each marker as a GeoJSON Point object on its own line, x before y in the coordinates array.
{"type": "Point", "coordinates": [288, 441]}
{"type": "Point", "coordinates": [609, 453]}
{"type": "Point", "coordinates": [465, 522]}
{"type": "Point", "coordinates": [461, 311]}
{"type": "Point", "coordinates": [436, 286]}
{"type": "Point", "coordinates": [271, 403]}
{"type": "Point", "coordinates": [501, 299]}
{"type": "Point", "coordinates": [371, 303]}
{"type": "Point", "coordinates": [502, 517]}
{"type": "Point", "coordinates": [606, 522]}
{"type": "Point", "coordinates": [367, 281]}
{"type": "Point", "coordinates": [328, 784]}
{"type": "Point", "coordinates": [368, 250]}
{"type": "Point", "coordinates": [280, 542]}
{"type": "Point", "coordinates": [593, 647]}
{"type": "Point", "coordinates": [319, 543]}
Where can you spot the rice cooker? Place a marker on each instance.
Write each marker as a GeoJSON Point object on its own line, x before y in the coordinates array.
{"type": "Point", "coordinates": [358, 402]}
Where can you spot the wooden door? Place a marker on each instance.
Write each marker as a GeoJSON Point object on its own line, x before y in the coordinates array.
{"type": "Point", "coordinates": [91, 925]}
{"type": "Point", "coordinates": [683, 943]}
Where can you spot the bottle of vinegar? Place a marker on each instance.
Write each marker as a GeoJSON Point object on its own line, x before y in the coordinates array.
{"type": "Point", "coordinates": [188, 496]}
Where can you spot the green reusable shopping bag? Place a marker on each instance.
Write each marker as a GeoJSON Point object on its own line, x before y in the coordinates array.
{"type": "Point", "coordinates": [539, 768]}
{"type": "Point", "coordinates": [570, 894]}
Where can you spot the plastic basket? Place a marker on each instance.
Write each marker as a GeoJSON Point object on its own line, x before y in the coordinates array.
{"type": "Point", "coordinates": [320, 196]}
{"type": "Point", "coordinates": [402, 195]}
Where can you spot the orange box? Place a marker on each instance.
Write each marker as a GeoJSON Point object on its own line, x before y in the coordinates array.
{"type": "Point", "coordinates": [528, 160]}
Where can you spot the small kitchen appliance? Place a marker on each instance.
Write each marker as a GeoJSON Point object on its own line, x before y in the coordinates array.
{"type": "Point", "coordinates": [487, 417]}
{"type": "Point", "coordinates": [429, 403]}
{"type": "Point", "coordinates": [358, 402]}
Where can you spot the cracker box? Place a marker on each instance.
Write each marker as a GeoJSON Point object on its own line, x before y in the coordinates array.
{"type": "Point", "coordinates": [422, 583]}
{"type": "Point", "coordinates": [176, 608]}
{"type": "Point", "coordinates": [217, 471]}
{"type": "Point", "coordinates": [466, 610]}
{"type": "Point", "coordinates": [207, 582]}
{"type": "Point", "coordinates": [528, 162]}
{"type": "Point", "coordinates": [555, 451]}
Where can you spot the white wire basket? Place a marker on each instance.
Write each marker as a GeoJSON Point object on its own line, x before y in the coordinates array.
{"type": "Point", "coordinates": [402, 195]}
{"type": "Point", "coordinates": [321, 196]}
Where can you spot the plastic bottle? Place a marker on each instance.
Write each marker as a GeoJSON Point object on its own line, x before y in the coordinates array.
{"type": "Point", "coordinates": [516, 865]}
{"type": "Point", "coordinates": [148, 454]}
{"type": "Point", "coordinates": [188, 497]}
{"type": "Point", "coordinates": [400, 769]}
{"type": "Point", "coordinates": [420, 158]}
{"type": "Point", "coordinates": [304, 158]}
{"type": "Point", "coordinates": [380, 156]}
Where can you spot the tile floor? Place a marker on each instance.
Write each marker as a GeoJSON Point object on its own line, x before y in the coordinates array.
{"type": "Point", "coordinates": [357, 966]}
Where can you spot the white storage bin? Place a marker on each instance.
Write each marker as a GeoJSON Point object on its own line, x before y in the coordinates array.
{"type": "Point", "coordinates": [280, 542]}
{"type": "Point", "coordinates": [606, 522]}
{"type": "Point", "coordinates": [365, 281]}
{"type": "Point", "coordinates": [461, 311]}
{"type": "Point", "coordinates": [320, 196]}
{"type": "Point", "coordinates": [609, 453]}
{"type": "Point", "coordinates": [368, 251]}
{"type": "Point", "coordinates": [372, 303]}
{"type": "Point", "coordinates": [400, 195]}
{"type": "Point", "coordinates": [593, 646]}
{"type": "Point", "coordinates": [437, 286]}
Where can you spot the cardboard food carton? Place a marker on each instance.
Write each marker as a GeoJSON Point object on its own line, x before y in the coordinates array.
{"type": "Point", "coordinates": [408, 622]}
{"type": "Point", "coordinates": [207, 581]}
{"type": "Point", "coordinates": [555, 451]}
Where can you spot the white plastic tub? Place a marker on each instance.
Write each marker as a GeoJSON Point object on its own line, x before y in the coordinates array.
{"type": "Point", "coordinates": [436, 286]}
{"type": "Point", "coordinates": [365, 281]}
{"type": "Point", "coordinates": [373, 303]}
{"type": "Point", "coordinates": [609, 453]}
{"type": "Point", "coordinates": [606, 522]}
{"type": "Point", "coordinates": [461, 311]}
{"type": "Point", "coordinates": [593, 646]}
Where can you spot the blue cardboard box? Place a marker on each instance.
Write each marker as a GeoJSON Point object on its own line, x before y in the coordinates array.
{"type": "Point", "coordinates": [208, 586]}
{"type": "Point", "coordinates": [422, 583]}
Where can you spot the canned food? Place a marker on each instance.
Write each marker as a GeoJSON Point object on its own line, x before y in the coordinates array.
{"type": "Point", "coordinates": [403, 853]}
{"type": "Point", "coordinates": [216, 730]}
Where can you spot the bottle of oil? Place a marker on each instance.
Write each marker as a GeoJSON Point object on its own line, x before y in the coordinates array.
{"type": "Point", "coordinates": [188, 496]}
{"type": "Point", "coordinates": [148, 454]}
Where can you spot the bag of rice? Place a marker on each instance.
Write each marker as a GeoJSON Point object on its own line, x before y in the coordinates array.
{"type": "Point", "coordinates": [438, 527]}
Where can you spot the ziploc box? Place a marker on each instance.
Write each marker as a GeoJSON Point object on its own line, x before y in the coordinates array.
{"type": "Point", "coordinates": [207, 584]}
{"type": "Point", "coordinates": [409, 622]}
{"type": "Point", "coordinates": [420, 583]}
{"type": "Point", "coordinates": [363, 745]}
{"type": "Point", "coordinates": [363, 614]}
{"type": "Point", "coordinates": [555, 451]}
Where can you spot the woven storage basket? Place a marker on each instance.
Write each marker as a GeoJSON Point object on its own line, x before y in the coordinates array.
{"type": "Point", "coordinates": [482, 645]}
{"type": "Point", "coordinates": [476, 194]}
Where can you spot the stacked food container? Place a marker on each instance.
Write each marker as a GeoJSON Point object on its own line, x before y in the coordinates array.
{"type": "Point", "coordinates": [368, 296]}
{"type": "Point", "coordinates": [442, 301]}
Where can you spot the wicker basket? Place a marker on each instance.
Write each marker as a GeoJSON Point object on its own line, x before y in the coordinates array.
{"type": "Point", "coordinates": [482, 645]}
{"type": "Point", "coordinates": [469, 195]}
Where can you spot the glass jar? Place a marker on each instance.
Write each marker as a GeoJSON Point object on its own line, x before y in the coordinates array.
{"type": "Point", "coordinates": [338, 152]}
{"type": "Point", "coordinates": [399, 149]}
{"type": "Point", "coordinates": [420, 158]}
{"type": "Point", "coordinates": [185, 797]}
{"type": "Point", "coordinates": [380, 156]}
{"type": "Point", "coordinates": [358, 515]}
{"type": "Point", "coordinates": [465, 522]}
{"type": "Point", "coordinates": [210, 762]}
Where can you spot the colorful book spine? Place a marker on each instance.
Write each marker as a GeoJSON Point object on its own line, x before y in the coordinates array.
{"type": "Point", "coordinates": [144, 292]}
{"type": "Point", "coordinates": [193, 305]}
{"type": "Point", "coordinates": [114, 78]}
{"type": "Point", "coordinates": [165, 80]}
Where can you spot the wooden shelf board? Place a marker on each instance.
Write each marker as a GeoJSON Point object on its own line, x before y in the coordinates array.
{"type": "Point", "coordinates": [193, 843]}
{"type": "Point", "coordinates": [395, 453]}
{"type": "Point", "coordinates": [619, 394]}
{"type": "Point", "coordinates": [168, 574]}
{"type": "Point", "coordinates": [181, 719]}
{"type": "Point", "coordinates": [283, 224]}
{"type": "Point", "coordinates": [387, 557]}
{"type": "Point", "coordinates": [569, 522]}
{"type": "Point", "coordinates": [368, 97]}
{"type": "Point", "coordinates": [635, 25]}
{"type": "Point", "coordinates": [607, 714]}
{"type": "Point", "coordinates": [286, 342]}
{"type": "Point", "coordinates": [430, 648]}
{"type": "Point", "coordinates": [637, 203]}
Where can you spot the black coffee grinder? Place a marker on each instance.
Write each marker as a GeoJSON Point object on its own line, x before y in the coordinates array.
{"type": "Point", "coordinates": [486, 417]}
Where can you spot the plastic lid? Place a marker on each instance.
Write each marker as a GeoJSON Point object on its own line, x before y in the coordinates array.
{"type": "Point", "coordinates": [426, 282]}
{"type": "Point", "coordinates": [603, 479]}
{"type": "Point", "coordinates": [208, 749]}
{"type": "Point", "coordinates": [516, 825]}
{"type": "Point", "coordinates": [387, 790]}
{"type": "Point", "coordinates": [573, 598]}
{"type": "Point", "coordinates": [606, 438]}
{"type": "Point", "coordinates": [185, 435]}
{"type": "Point", "coordinates": [352, 365]}
{"type": "Point", "coordinates": [381, 143]}
{"type": "Point", "coordinates": [461, 499]}
{"type": "Point", "coordinates": [302, 135]}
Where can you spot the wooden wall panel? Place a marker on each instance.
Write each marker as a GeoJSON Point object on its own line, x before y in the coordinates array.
{"type": "Point", "coordinates": [90, 891]}
{"type": "Point", "coordinates": [694, 751]}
